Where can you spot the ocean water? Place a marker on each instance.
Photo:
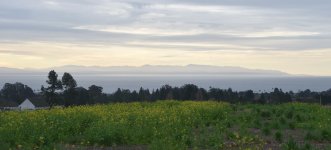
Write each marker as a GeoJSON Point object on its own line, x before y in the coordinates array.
{"type": "Point", "coordinates": [133, 82]}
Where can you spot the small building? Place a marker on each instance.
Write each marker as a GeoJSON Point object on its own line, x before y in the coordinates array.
{"type": "Point", "coordinates": [26, 105]}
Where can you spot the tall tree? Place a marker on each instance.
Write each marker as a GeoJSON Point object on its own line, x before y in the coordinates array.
{"type": "Point", "coordinates": [189, 92]}
{"type": "Point", "coordinates": [144, 94]}
{"type": "Point", "coordinates": [53, 86]}
{"type": "Point", "coordinates": [82, 97]}
{"type": "Point", "coordinates": [68, 81]}
{"type": "Point", "coordinates": [95, 92]}
{"type": "Point", "coordinates": [69, 84]}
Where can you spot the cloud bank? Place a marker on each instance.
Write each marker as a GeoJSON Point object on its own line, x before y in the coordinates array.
{"type": "Point", "coordinates": [292, 36]}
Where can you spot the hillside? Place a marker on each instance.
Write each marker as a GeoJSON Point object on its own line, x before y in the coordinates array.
{"type": "Point", "coordinates": [152, 70]}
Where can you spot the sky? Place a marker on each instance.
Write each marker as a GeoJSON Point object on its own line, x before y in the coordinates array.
{"type": "Point", "coordinates": [293, 36]}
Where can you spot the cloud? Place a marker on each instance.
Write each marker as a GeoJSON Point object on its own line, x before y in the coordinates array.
{"type": "Point", "coordinates": [154, 30]}
{"type": "Point", "coordinates": [160, 28]}
{"type": "Point", "coordinates": [17, 52]}
{"type": "Point", "coordinates": [199, 8]}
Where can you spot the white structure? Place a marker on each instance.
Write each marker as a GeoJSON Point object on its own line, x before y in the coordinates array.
{"type": "Point", "coordinates": [26, 104]}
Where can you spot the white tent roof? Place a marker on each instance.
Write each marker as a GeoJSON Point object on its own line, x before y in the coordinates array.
{"type": "Point", "coordinates": [26, 104]}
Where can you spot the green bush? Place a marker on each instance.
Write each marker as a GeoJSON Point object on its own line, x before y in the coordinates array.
{"type": "Point", "coordinates": [311, 135]}
{"type": "Point", "coordinates": [325, 135]}
{"type": "Point", "coordinates": [266, 131]}
{"type": "Point", "coordinates": [257, 123]}
{"type": "Point", "coordinates": [275, 125]}
{"type": "Point", "coordinates": [298, 118]}
{"type": "Point", "coordinates": [265, 114]}
{"type": "Point", "coordinates": [291, 145]}
{"type": "Point", "coordinates": [289, 115]}
{"type": "Point", "coordinates": [307, 146]}
{"type": "Point", "coordinates": [291, 125]}
{"type": "Point", "coordinates": [279, 136]}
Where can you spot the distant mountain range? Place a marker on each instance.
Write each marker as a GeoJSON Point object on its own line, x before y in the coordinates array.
{"type": "Point", "coordinates": [150, 70]}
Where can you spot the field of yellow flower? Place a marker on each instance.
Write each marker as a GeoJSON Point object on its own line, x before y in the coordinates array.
{"type": "Point", "coordinates": [169, 125]}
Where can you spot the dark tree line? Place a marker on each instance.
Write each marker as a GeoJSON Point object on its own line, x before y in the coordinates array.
{"type": "Point", "coordinates": [16, 92]}
{"type": "Point", "coordinates": [65, 92]}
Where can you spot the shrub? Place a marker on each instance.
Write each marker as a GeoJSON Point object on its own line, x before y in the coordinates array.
{"type": "Point", "coordinates": [291, 125]}
{"type": "Point", "coordinates": [278, 136]}
{"type": "Point", "coordinates": [275, 125]}
{"type": "Point", "coordinates": [266, 131]}
{"type": "Point", "coordinates": [291, 145]}
{"type": "Point", "coordinates": [265, 114]}
{"type": "Point", "coordinates": [298, 118]}
{"type": "Point", "coordinates": [282, 120]}
{"type": "Point", "coordinates": [228, 124]}
{"type": "Point", "coordinates": [257, 123]}
{"type": "Point", "coordinates": [325, 134]}
{"type": "Point", "coordinates": [289, 115]}
{"type": "Point", "coordinates": [311, 136]}
{"type": "Point", "coordinates": [307, 146]}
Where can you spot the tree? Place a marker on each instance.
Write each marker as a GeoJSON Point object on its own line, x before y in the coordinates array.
{"type": "Point", "coordinates": [95, 92]}
{"type": "Point", "coordinates": [53, 85]}
{"type": "Point", "coordinates": [68, 81]}
{"type": "Point", "coordinates": [16, 92]}
{"type": "Point", "coordinates": [82, 97]}
{"type": "Point", "coordinates": [118, 95]}
{"type": "Point", "coordinates": [144, 95]}
{"type": "Point", "coordinates": [215, 93]}
{"type": "Point", "coordinates": [165, 92]}
{"type": "Point", "coordinates": [189, 92]}
{"type": "Point", "coordinates": [69, 84]}
{"type": "Point", "coordinates": [202, 94]}
{"type": "Point", "coordinates": [249, 96]}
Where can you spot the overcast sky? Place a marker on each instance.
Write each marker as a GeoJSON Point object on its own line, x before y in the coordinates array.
{"type": "Point", "coordinates": [287, 35]}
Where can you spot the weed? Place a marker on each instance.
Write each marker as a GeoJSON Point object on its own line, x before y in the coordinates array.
{"type": "Point", "coordinates": [291, 125]}
{"type": "Point", "coordinates": [289, 115]}
{"type": "Point", "coordinates": [325, 135]}
{"type": "Point", "coordinates": [266, 131]}
{"type": "Point", "coordinates": [279, 136]}
{"type": "Point", "coordinates": [265, 114]}
{"type": "Point", "coordinates": [291, 145]}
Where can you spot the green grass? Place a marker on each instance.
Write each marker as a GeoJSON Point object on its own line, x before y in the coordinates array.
{"type": "Point", "coordinates": [169, 125]}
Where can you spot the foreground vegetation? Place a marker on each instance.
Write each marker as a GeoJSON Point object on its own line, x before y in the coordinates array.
{"type": "Point", "coordinates": [169, 125]}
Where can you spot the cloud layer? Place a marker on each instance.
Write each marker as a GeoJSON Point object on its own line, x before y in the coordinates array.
{"type": "Point", "coordinates": [292, 36]}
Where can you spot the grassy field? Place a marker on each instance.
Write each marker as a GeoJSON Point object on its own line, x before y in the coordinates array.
{"type": "Point", "coordinates": [169, 125]}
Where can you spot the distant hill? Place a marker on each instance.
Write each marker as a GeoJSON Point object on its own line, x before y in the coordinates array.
{"type": "Point", "coordinates": [151, 70]}
{"type": "Point", "coordinates": [6, 70]}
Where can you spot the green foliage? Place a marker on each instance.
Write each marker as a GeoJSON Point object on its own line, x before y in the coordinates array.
{"type": "Point", "coordinates": [266, 131]}
{"type": "Point", "coordinates": [166, 125]}
{"type": "Point", "coordinates": [326, 134]}
{"type": "Point", "coordinates": [291, 125]}
{"type": "Point", "coordinates": [282, 121]}
{"type": "Point", "coordinates": [275, 125]}
{"type": "Point", "coordinates": [53, 85]}
{"type": "Point", "coordinates": [265, 114]}
{"type": "Point", "coordinates": [307, 146]}
{"type": "Point", "coordinates": [68, 81]}
{"type": "Point", "coordinates": [311, 135]}
{"type": "Point", "coordinates": [289, 114]}
{"type": "Point", "coordinates": [278, 136]}
{"type": "Point", "coordinates": [291, 145]}
{"type": "Point", "coordinates": [298, 118]}
{"type": "Point", "coordinates": [17, 92]}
